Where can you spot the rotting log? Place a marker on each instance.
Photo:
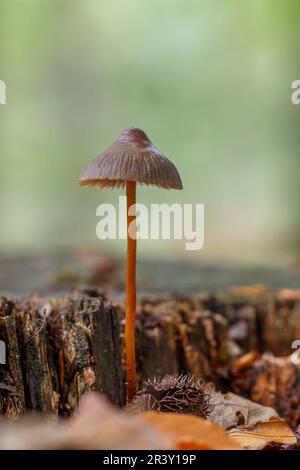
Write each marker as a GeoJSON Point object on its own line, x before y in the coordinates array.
{"type": "Point", "coordinates": [262, 322]}
{"type": "Point", "coordinates": [40, 393]}
{"type": "Point", "coordinates": [271, 381]}
{"type": "Point", "coordinates": [107, 352]}
{"type": "Point", "coordinates": [56, 351]}
{"type": "Point", "coordinates": [174, 338]}
{"type": "Point", "coordinates": [12, 398]}
{"type": "Point", "coordinates": [85, 333]}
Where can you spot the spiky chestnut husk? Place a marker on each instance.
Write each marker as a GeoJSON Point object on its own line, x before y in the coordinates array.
{"type": "Point", "coordinates": [176, 394]}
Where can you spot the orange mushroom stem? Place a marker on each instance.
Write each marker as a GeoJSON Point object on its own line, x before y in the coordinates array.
{"type": "Point", "coordinates": [131, 159]}
{"type": "Point", "coordinates": [130, 292]}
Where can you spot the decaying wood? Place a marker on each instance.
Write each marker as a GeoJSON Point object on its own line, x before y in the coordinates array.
{"type": "Point", "coordinates": [60, 348]}
{"type": "Point", "coordinates": [203, 335]}
{"type": "Point", "coordinates": [107, 353]}
{"type": "Point", "coordinates": [56, 351]}
{"type": "Point", "coordinates": [174, 338]}
{"type": "Point", "coordinates": [86, 331]}
{"type": "Point", "coordinates": [273, 382]}
{"type": "Point", "coordinates": [12, 398]}
{"type": "Point", "coordinates": [40, 392]}
{"type": "Point", "coordinates": [262, 322]}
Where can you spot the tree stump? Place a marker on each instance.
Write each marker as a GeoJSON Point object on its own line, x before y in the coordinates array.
{"type": "Point", "coordinates": [273, 382]}
{"type": "Point", "coordinates": [56, 351]}
{"type": "Point", "coordinates": [12, 397]}
{"type": "Point", "coordinates": [175, 337]}
{"type": "Point", "coordinates": [60, 348]}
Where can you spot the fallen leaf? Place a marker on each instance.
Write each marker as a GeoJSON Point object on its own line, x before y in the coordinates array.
{"type": "Point", "coordinates": [98, 425]}
{"type": "Point", "coordinates": [255, 290]}
{"type": "Point", "coordinates": [190, 432]}
{"type": "Point", "coordinates": [271, 381]}
{"type": "Point", "coordinates": [289, 294]}
{"type": "Point", "coordinates": [230, 410]}
{"type": "Point", "coordinates": [264, 433]}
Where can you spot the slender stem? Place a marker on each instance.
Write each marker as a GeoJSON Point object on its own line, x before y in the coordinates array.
{"type": "Point", "coordinates": [130, 293]}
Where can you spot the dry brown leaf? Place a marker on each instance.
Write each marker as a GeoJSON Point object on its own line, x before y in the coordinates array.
{"type": "Point", "coordinates": [231, 410]}
{"type": "Point", "coordinates": [190, 432]}
{"type": "Point", "coordinates": [271, 381]}
{"type": "Point", "coordinates": [98, 425]}
{"type": "Point", "coordinates": [289, 294]}
{"type": "Point", "coordinates": [255, 290]}
{"type": "Point", "coordinates": [263, 433]}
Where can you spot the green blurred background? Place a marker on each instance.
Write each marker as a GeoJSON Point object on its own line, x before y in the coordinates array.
{"type": "Point", "coordinates": [208, 80]}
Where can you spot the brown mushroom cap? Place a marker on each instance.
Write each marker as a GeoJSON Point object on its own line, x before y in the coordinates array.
{"type": "Point", "coordinates": [132, 157]}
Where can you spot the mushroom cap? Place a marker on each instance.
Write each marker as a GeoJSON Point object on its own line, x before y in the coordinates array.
{"type": "Point", "coordinates": [132, 157]}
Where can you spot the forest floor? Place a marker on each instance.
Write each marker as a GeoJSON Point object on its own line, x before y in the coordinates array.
{"type": "Point", "coordinates": [57, 272]}
{"type": "Point", "coordinates": [62, 319]}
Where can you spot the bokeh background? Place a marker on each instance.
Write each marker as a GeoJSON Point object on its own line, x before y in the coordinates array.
{"type": "Point", "coordinates": [208, 80]}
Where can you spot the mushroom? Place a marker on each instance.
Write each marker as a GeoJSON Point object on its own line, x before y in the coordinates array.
{"type": "Point", "coordinates": [131, 159]}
